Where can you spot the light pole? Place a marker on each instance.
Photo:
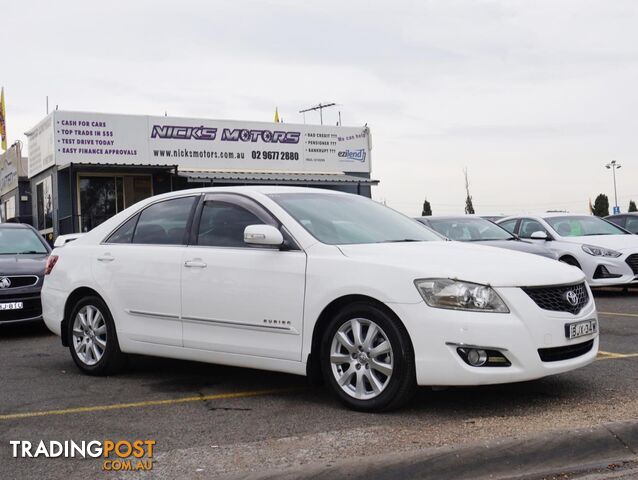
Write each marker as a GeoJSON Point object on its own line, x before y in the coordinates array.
{"type": "Point", "coordinates": [613, 165]}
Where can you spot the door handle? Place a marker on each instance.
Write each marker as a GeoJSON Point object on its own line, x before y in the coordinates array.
{"type": "Point", "coordinates": [195, 264]}
{"type": "Point", "coordinates": [105, 258]}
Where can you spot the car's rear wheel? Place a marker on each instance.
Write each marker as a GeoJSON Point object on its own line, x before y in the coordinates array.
{"type": "Point", "coordinates": [92, 338]}
{"type": "Point", "coordinates": [367, 358]}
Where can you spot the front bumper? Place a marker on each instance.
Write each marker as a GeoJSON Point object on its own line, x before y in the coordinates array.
{"type": "Point", "coordinates": [436, 334]}
{"type": "Point", "coordinates": [31, 310]}
{"type": "Point", "coordinates": [619, 268]}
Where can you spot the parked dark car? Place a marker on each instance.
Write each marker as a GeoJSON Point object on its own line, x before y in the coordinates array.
{"type": "Point", "coordinates": [471, 228]}
{"type": "Point", "coordinates": [628, 221]}
{"type": "Point", "coordinates": [23, 255]}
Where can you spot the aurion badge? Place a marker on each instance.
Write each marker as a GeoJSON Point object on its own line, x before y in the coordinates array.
{"type": "Point", "coordinates": [571, 298]}
{"type": "Point", "coordinates": [5, 282]}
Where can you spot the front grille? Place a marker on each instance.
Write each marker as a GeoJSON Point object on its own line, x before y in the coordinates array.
{"type": "Point", "coordinates": [32, 307]}
{"type": "Point", "coordinates": [557, 354]}
{"type": "Point", "coordinates": [556, 298]}
{"type": "Point", "coordinates": [632, 261]}
{"type": "Point", "coordinates": [17, 281]}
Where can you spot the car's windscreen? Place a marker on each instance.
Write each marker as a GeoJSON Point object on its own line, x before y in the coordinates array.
{"type": "Point", "coordinates": [351, 219]}
{"type": "Point", "coordinates": [20, 241]}
{"type": "Point", "coordinates": [470, 229]}
{"type": "Point", "coordinates": [582, 226]}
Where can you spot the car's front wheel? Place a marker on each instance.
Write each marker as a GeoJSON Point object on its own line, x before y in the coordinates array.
{"type": "Point", "coordinates": [367, 358]}
{"type": "Point", "coordinates": [93, 339]}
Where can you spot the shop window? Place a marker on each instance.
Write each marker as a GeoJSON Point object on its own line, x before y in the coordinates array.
{"type": "Point", "coordinates": [44, 205]}
{"type": "Point", "coordinates": [9, 208]}
{"type": "Point", "coordinates": [101, 197]}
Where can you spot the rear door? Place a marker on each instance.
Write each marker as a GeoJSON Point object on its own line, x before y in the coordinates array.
{"type": "Point", "coordinates": [238, 298]}
{"type": "Point", "coordinates": [139, 266]}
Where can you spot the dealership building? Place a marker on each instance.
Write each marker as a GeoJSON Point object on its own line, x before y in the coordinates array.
{"type": "Point", "coordinates": [84, 167]}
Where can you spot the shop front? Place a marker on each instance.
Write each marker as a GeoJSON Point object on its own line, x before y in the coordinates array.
{"type": "Point", "coordinates": [86, 167]}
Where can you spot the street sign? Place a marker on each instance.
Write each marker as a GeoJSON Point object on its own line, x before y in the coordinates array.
{"type": "Point", "coordinates": [616, 210]}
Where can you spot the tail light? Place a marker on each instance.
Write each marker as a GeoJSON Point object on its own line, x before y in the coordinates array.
{"type": "Point", "coordinates": [51, 261]}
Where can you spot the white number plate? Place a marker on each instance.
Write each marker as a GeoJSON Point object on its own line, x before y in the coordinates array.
{"type": "Point", "coordinates": [11, 306]}
{"type": "Point", "coordinates": [580, 329]}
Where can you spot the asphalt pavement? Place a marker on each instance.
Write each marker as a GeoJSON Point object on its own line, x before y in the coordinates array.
{"type": "Point", "coordinates": [214, 421]}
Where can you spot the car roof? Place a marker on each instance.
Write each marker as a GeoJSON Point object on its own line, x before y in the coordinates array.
{"type": "Point", "coordinates": [452, 217]}
{"type": "Point", "coordinates": [15, 225]}
{"type": "Point", "coordinates": [631, 214]}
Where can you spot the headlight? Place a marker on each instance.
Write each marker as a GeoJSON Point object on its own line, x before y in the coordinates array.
{"type": "Point", "coordinates": [600, 251]}
{"type": "Point", "coordinates": [457, 295]}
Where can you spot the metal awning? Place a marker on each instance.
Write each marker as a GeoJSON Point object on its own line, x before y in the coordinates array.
{"type": "Point", "coordinates": [132, 166]}
{"type": "Point", "coordinates": [243, 177]}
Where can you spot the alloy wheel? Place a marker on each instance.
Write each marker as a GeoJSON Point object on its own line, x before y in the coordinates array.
{"type": "Point", "coordinates": [89, 335]}
{"type": "Point", "coordinates": [361, 358]}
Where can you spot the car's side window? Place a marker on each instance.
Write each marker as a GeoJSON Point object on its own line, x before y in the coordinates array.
{"type": "Point", "coordinates": [632, 224]}
{"type": "Point", "coordinates": [620, 221]}
{"type": "Point", "coordinates": [529, 226]}
{"type": "Point", "coordinates": [222, 224]}
{"type": "Point", "coordinates": [124, 234]}
{"type": "Point", "coordinates": [509, 225]}
{"type": "Point", "coordinates": [164, 223]}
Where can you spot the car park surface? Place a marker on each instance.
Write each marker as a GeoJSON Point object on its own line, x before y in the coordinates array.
{"type": "Point", "coordinates": [312, 282]}
{"type": "Point", "coordinates": [606, 253]}
{"type": "Point", "coordinates": [212, 421]}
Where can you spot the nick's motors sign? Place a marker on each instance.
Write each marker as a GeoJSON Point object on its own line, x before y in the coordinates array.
{"type": "Point", "coordinates": [199, 144]}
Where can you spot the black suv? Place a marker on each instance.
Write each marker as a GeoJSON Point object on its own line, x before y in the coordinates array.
{"type": "Point", "coordinates": [23, 255]}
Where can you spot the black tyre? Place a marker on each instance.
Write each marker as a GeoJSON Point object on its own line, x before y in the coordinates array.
{"type": "Point", "coordinates": [367, 358]}
{"type": "Point", "coordinates": [92, 338]}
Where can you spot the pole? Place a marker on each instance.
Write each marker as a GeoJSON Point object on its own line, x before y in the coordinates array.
{"type": "Point", "coordinates": [615, 193]}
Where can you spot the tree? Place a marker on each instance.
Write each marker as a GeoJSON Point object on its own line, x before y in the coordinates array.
{"type": "Point", "coordinates": [427, 209]}
{"type": "Point", "coordinates": [469, 208]}
{"type": "Point", "coordinates": [632, 206]}
{"type": "Point", "coordinates": [601, 206]}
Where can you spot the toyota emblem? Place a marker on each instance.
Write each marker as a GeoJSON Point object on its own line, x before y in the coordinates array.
{"type": "Point", "coordinates": [5, 282]}
{"type": "Point", "coordinates": [571, 298]}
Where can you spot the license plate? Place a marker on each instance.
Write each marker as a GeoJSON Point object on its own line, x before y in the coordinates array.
{"type": "Point", "coordinates": [11, 306]}
{"type": "Point", "coordinates": [580, 329]}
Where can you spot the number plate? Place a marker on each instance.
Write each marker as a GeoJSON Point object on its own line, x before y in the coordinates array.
{"type": "Point", "coordinates": [580, 329]}
{"type": "Point", "coordinates": [11, 306]}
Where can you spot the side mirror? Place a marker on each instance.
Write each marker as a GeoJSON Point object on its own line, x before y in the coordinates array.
{"type": "Point", "coordinates": [540, 235]}
{"type": "Point", "coordinates": [263, 235]}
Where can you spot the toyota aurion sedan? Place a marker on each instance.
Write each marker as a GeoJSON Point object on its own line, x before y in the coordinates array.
{"type": "Point", "coordinates": [606, 253]}
{"type": "Point", "coordinates": [318, 283]}
{"type": "Point", "coordinates": [472, 228]}
{"type": "Point", "coordinates": [23, 254]}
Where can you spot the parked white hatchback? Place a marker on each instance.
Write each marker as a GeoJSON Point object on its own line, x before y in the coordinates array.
{"type": "Point", "coordinates": [314, 282]}
{"type": "Point", "coordinates": [607, 254]}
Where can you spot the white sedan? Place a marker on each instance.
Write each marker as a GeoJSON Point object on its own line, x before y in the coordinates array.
{"type": "Point", "coordinates": [314, 282]}
{"type": "Point", "coordinates": [606, 253]}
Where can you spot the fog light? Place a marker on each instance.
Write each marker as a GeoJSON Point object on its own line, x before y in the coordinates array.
{"type": "Point", "coordinates": [476, 358]}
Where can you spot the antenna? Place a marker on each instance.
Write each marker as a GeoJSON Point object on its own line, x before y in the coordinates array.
{"type": "Point", "coordinates": [319, 107]}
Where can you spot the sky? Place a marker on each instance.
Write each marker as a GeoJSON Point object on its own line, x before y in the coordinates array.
{"type": "Point", "coordinates": [532, 97]}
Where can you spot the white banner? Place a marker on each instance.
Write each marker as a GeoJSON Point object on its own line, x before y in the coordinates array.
{"type": "Point", "coordinates": [197, 144]}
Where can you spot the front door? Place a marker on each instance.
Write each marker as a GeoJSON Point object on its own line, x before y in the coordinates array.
{"type": "Point", "coordinates": [238, 298]}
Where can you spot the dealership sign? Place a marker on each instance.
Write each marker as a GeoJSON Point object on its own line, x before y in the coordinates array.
{"type": "Point", "coordinates": [97, 138]}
